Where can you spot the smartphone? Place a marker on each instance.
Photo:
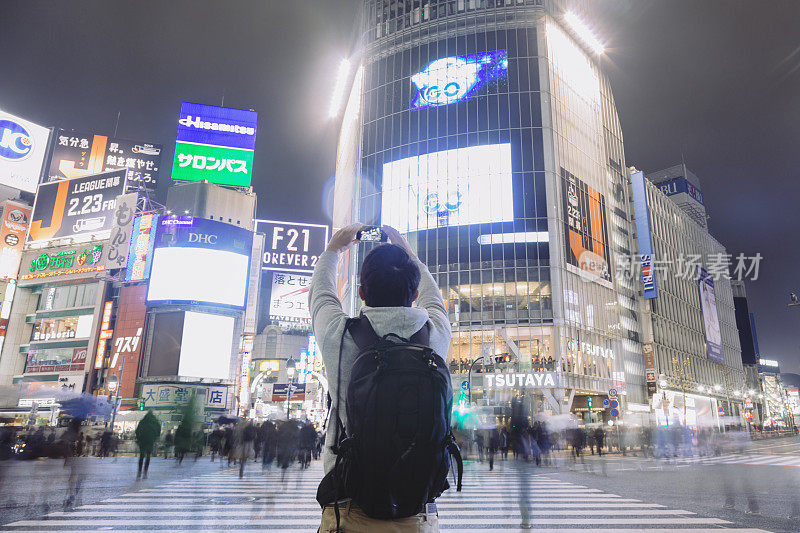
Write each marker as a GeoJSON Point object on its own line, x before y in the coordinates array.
{"type": "Point", "coordinates": [371, 234]}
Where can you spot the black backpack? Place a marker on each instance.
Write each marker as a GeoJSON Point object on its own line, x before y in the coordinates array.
{"type": "Point", "coordinates": [395, 455]}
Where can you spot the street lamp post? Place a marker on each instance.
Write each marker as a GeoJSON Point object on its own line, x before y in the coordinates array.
{"type": "Point", "coordinates": [684, 379]}
{"type": "Point", "coordinates": [469, 378]}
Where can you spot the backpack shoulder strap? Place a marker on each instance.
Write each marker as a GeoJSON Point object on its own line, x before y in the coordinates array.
{"type": "Point", "coordinates": [423, 336]}
{"type": "Point", "coordinates": [362, 332]}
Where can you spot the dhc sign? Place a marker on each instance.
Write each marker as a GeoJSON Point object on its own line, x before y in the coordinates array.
{"type": "Point", "coordinates": [536, 380]}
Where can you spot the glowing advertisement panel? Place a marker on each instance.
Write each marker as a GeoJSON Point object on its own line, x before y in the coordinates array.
{"type": "Point", "coordinates": [449, 188]}
{"type": "Point", "coordinates": [289, 298]}
{"type": "Point", "coordinates": [198, 275]}
{"type": "Point", "coordinates": [224, 166]}
{"type": "Point", "coordinates": [140, 251]}
{"type": "Point", "coordinates": [292, 246]}
{"type": "Point", "coordinates": [80, 207]}
{"type": "Point", "coordinates": [452, 79]}
{"type": "Point", "coordinates": [12, 234]}
{"type": "Point", "coordinates": [649, 285]}
{"type": "Point", "coordinates": [198, 260]}
{"type": "Point", "coordinates": [217, 126]}
{"type": "Point", "coordinates": [206, 346]}
{"type": "Point", "coordinates": [215, 144]}
{"type": "Point", "coordinates": [708, 305]}
{"type": "Point", "coordinates": [585, 228]}
{"type": "Point", "coordinates": [81, 154]}
{"type": "Point", "coordinates": [23, 145]}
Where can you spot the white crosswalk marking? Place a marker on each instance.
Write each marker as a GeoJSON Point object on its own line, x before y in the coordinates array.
{"type": "Point", "coordinates": [745, 459]}
{"type": "Point", "coordinates": [272, 501]}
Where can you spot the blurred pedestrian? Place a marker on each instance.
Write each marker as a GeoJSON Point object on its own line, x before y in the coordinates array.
{"type": "Point", "coordinates": [244, 436]}
{"type": "Point", "coordinates": [147, 432]}
{"type": "Point", "coordinates": [308, 440]}
{"type": "Point", "coordinates": [199, 443]}
{"type": "Point", "coordinates": [269, 442]}
{"type": "Point", "coordinates": [288, 438]}
{"type": "Point", "coordinates": [494, 445]}
{"type": "Point", "coordinates": [215, 442]}
{"type": "Point", "coordinates": [183, 439]}
{"type": "Point", "coordinates": [599, 440]}
{"type": "Point", "coordinates": [169, 440]}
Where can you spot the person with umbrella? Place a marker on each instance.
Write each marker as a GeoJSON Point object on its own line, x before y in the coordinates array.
{"type": "Point", "coordinates": [147, 432]}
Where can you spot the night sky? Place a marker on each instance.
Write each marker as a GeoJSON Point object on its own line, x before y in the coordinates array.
{"type": "Point", "coordinates": [715, 82]}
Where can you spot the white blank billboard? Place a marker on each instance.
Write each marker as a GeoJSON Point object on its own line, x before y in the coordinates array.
{"type": "Point", "coordinates": [23, 145]}
{"type": "Point", "coordinates": [206, 346]}
{"type": "Point", "coordinates": [198, 274]}
{"type": "Point", "coordinates": [449, 188]}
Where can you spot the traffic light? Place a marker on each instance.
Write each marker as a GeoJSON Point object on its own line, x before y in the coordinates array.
{"type": "Point", "coordinates": [502, 358]}
{"type": "Point", "coordinates": [141, 405]}
{"type": "Point", "coordinates": [589, 401]}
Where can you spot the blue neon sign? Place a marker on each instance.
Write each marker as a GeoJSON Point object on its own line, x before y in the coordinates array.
{"type": "Point", "coordinates": [649, 286]}
{"type": "Point", "coordinates": [456, 78]}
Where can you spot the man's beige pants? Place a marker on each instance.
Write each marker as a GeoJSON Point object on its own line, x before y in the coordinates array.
{"type": "Point", "coordinates": [353, 520]}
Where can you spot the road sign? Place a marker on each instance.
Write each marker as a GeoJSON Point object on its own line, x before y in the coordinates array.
{"type": "Point", "coordinates": [614, 413]}
{"type": "Point", "coordinates": [614, 404]}
{"type": "Point", "coordinates": [605, 403]}
{"type": "Point", "coordinates": [465, 385]}
{"type": "Point", "coordinates": [612, 393]}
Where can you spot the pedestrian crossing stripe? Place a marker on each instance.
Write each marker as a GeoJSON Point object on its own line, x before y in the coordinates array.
{"type": "Point", "coordinates": [745, 459]}
{"type": "Point", "coordinates": [285, 501]}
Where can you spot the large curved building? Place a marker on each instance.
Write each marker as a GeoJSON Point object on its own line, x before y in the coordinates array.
{"type": "Point", "coordinates": [486, 130]}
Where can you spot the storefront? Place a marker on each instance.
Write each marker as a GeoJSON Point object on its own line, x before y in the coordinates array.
{"type": "Point", "coordinates": [695, 411]}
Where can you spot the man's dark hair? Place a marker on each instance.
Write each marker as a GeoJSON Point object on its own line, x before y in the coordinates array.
{"type": "Point", "coordinates": [389, 277]}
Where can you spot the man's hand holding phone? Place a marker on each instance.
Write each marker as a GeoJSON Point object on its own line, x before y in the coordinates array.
{"type": "Point", "coordinates": [358, 232]}
{"type": "Point", "coordinates": [397, 239]}
{"type": "Point", "coordinates": [344, 238]}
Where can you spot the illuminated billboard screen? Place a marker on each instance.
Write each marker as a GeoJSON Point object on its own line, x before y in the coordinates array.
{"type": "Point", "coordinates": [140, 251]}
{"type": "Point", "coordinates": [12, 234]}
{"type": "Point", "coordinates": [708, 306]}
{"type": "Point", "coordinates": [450, 188]}
{"type": "Point", "coordinates": [452, 79]}
{"type": "Point", "coordinates": [288, 302]}
{"type": "Point", "coordinates": [215, 144]}
{"type": "Point", "coordinates": [198, 260]}
{"type": "Point", "coordinates": [80, 207]}
{"type": "Point", "coordinates": [23, 145]}
{"type": "Point", "coordinates": [81, 154]}
{"type": "Point", "coordinates": [291, 246]}
{"type": "Point", "coordinates": [206, 346]}
{"type": "Point", "coordinates": [585, 228]}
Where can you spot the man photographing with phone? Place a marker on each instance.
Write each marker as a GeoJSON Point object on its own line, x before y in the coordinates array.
{"type": "Point", "coordinates": [388, 444]}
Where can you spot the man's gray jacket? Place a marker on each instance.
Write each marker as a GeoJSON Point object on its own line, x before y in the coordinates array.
{"type": "Point", "coordinates": [328, 320]}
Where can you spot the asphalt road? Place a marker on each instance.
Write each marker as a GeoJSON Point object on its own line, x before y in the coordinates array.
{"type": "Point", "coordinates": [609, 494]}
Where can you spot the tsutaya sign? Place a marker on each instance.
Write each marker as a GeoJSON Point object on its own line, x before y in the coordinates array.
{"type": "Point", "coordinates": [538, 380]}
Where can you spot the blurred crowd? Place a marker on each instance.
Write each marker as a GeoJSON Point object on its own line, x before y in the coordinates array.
{"type": "Point", "coordinates": [534, 441]}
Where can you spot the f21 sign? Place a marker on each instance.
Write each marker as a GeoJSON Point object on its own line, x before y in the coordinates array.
{"type": "Point", "coordinates": [291, 246]}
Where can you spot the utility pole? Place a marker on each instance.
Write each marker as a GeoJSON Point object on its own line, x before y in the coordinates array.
{"type": "Point", "coordinates": [116, 398]}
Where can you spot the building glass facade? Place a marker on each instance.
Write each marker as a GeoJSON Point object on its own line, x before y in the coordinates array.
{"type": "Point", "coordinates": [487, 133]}
{"type": "Point", "coordinates": [679, 323]}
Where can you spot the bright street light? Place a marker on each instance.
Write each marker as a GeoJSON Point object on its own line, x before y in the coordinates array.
{"type": "Point", "coordinates": [583, 32]}
{"type": "Point", "coordinates": [337, 95]}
